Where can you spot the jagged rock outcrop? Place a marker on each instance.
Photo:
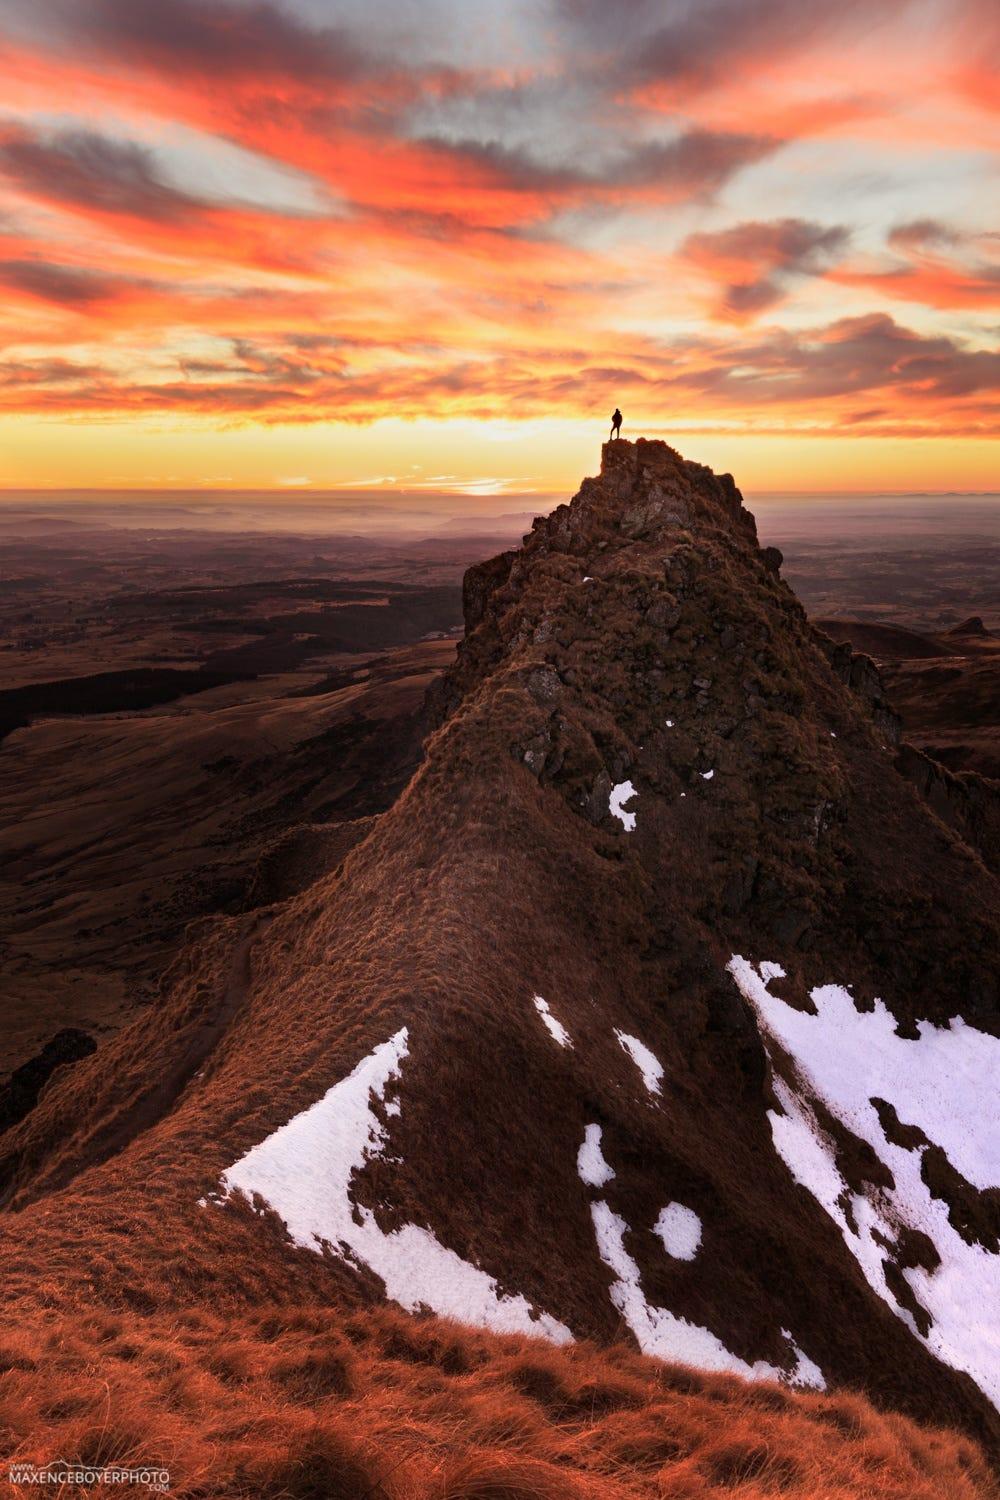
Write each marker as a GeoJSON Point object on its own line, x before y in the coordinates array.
{"type": "Point", "coordinates": [966, 802]}
{"type": "Point", "coordinates": [862, 676]}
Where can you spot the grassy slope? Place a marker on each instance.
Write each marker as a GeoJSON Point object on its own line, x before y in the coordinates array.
{"type": "Point", "coordinates": [309, 1404]}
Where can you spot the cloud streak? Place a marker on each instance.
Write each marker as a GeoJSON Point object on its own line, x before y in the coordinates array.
{"type": "Point", "coordinates": [90, 171]}
{"type": "Point", "coordinates": [756, 262]}
{"type": "Point", "coordinates": [220, 41]}
{"type": "Point", "coordinates": [855, 377]}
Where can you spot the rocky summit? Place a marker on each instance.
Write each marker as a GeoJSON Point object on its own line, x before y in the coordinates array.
{"type": "Point", "coordinates": [659, 1012]}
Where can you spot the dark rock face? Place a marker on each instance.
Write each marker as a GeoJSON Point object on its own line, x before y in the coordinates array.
{"type": "Point", "coordinates": [21, 1092]}
{"type": "Point", "coordinates": [968, 803]}
{"type": "Point", "coordinates": [862, 676]}
{"type": "Point", "coordinates": [480, 582]}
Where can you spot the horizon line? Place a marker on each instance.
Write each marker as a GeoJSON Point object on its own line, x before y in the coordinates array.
{"type": "Point", "coordinates": [318, 491]}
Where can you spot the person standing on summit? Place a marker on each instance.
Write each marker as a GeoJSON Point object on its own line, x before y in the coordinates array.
{"type": "Point", "coordinates": [616, 424]}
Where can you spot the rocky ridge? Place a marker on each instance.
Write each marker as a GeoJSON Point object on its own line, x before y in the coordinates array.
{"type": "Point", "coordinates": [548, 1049]}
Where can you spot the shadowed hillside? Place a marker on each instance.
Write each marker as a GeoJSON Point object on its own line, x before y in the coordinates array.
{"type": "Point", "coordinates": [946, 687]}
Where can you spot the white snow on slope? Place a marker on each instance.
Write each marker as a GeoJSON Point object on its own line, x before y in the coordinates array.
{"type": "Point", "coordinates": [555, 1028]}
{"type": "Point", "coordinates": [806, 1371]}
{"type": "Point", "coordinates": [944, 1082]}
{"type": "Point", "coordinates": [707, 775]}
{"type": "Point", "coordinates": [661, 1333]}
{"type": "Point", "coordinates": [304, 1170]}
{"type": "Point", "coordinates": [680, 1230]}
{"type": "Point", "coordinates": [590, 1162]}
{"type": "Point", "coordinates": [620, 794]}
{"type": "Point", "coordinates": [649, 1066]}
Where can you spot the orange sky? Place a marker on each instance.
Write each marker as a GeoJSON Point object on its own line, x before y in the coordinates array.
{"type": "Point", "coordinates": [425, 243]}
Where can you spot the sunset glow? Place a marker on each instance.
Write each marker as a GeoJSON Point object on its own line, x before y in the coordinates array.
{"type": "Point", "coordinates": [312, 244]}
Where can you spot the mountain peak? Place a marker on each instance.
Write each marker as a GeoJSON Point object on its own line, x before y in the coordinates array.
{"type": "Point", "coordinates": [658, 1005]}
{"type": "Point", "coordinates": [642, 486]}
{"type": "Point", "coordinates": [625, 548]}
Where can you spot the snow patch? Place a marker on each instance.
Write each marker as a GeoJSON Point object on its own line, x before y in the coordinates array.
{"type": "Point", "coordinates": [944, 1082]}
{"type": "Point", "coordinates": [590, 1162]}
{"type": "Point", "coordinates": [649, 1066]}
{"type": "Point", "coordinates": [662, 1334]}
{"type": "Point", "coordinates": [669, 723]}
{"type": "Point", "coordinates": [555, 1028]}
{"type": "Point", "coordinates": [707, 775]}
{"type": "Point", "coordinates": [304, 1170]}
{"type": "Point", "coordinates": [680, 1230]}
{"type": "Point", "coordinates": [807, 1372]}
{"type": "Point", "coordinates": [622, 793]}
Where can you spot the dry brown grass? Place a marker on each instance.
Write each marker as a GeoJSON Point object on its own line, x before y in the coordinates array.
{"type": "Point", "coordinates": [316, 1404]}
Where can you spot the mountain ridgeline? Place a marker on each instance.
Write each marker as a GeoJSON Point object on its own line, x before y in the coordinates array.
{"type": "Point", "coordinates": [661, 1007]}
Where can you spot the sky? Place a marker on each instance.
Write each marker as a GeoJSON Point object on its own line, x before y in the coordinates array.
{"type": "Point", "coordinates": [430, 244]}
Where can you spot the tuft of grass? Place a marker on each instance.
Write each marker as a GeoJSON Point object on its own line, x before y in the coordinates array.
{"type": "Point", "coordinates": [502, 1476]}
{"type": "Point", "coordinates": [314, 1375]}
{"type": "Point", "coordinates": [324, 1464]}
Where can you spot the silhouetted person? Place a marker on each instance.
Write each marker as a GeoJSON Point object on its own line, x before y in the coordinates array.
{"type": "Point", "coordinates": [616, 423]}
